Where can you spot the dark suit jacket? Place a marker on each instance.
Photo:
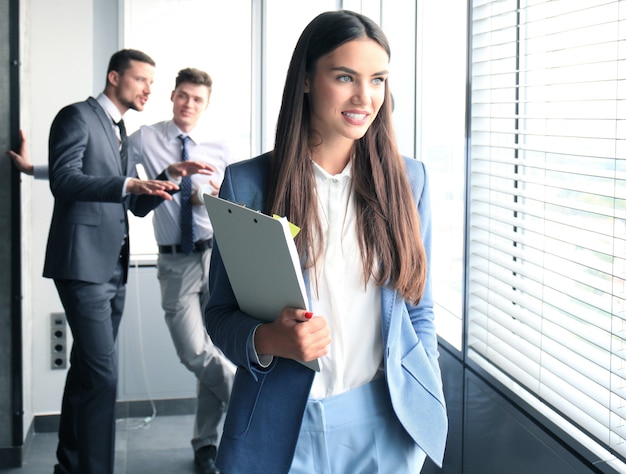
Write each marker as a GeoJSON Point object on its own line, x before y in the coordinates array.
{"type": "Point", "coordinates": [267, 405]}
{"type": "Point", "coordinates": [89, 221]}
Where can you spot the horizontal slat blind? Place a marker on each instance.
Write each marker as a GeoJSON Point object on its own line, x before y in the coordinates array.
{"type": "Point", "coordinates": [547, 252]}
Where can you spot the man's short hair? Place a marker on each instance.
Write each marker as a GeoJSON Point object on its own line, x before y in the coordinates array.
{"type": "Point", "coordinates": [194, 76]}
{"type": "Point", "coordinates": [120, 61]}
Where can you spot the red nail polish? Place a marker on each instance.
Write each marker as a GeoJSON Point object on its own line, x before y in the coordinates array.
{"type": "Point", "coordinates": [308, 315]}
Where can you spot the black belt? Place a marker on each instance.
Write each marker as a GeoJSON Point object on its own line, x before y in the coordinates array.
{"type": "Point", "coordinates": [199, 246]}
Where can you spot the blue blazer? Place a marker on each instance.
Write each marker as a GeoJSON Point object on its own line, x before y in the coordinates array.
{"type": "Point", "coordinates": [266, 406]}
{"type": "Point", "coordinates": [89, 219]}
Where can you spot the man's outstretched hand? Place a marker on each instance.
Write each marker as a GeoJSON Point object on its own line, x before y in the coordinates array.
{"type": "Point", "coordinates": [187, 168]}
{"type": "Point", "coordinates": [153, 187]}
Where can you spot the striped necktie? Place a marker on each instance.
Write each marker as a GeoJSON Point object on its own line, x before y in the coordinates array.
{"type": "Point", "coordinates": [186, 216]}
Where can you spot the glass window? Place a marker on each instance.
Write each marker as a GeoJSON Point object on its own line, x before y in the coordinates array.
{"type": "Point", "coordinates": [200, 34]}
{"type": "Point", "coordinates": [246, 47]}
{"type": "Point", "coordinates": [441, 74]}
{"type": "Point", "coordinates": [280, 37]}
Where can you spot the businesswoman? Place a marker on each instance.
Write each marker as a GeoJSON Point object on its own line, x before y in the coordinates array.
{"type": "Point", "coordinates": [376, 405]}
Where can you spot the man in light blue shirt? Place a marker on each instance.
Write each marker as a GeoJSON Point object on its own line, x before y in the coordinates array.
{"type": "Point", "coordinates": [184, 276]}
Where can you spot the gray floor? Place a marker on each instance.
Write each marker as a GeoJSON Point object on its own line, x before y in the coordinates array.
{"type": "Point", "coordinates": [161, 445]}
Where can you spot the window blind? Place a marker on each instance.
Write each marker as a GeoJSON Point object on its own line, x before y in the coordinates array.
{"type": "Point", "coordinates": [547, 206]}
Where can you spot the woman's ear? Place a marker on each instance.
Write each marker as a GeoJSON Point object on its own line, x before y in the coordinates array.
{"type": "Point", "coordinates": [307, 87]}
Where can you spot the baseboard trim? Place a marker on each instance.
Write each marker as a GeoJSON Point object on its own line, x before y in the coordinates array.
{"type": "Point", "coordinates": [13, 456]}
{"type": "Point", "coordinates": [127, 409]}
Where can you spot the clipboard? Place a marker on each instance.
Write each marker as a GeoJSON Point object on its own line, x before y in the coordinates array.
{"type": "Point", "coordinates": [260, 258]}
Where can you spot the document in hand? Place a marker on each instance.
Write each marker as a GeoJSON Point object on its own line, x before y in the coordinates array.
{"type": "Point", "coordinates": [260, 258]}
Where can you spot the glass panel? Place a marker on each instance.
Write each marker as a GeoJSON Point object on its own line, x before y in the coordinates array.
{"type": "Point", "coordinates": [441, 146]}
{"type": "Point", "coordinates": [192, 33]}
{"type": "Point", "coordinates": [280, 40]}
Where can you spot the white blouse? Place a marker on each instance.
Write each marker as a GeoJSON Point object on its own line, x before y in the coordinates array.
{"type": "Point", "coordinates": [338, 293]}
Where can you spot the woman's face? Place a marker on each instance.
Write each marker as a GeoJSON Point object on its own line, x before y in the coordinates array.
{"type": "Point", "coordinates": [347, 89]}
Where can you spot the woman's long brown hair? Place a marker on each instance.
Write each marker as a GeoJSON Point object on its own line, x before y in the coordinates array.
{"type": "Point", "coordinates": [388, 225]}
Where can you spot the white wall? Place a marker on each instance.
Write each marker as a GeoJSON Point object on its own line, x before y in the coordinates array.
{"type": "Point", "coordinates": [57, 69]}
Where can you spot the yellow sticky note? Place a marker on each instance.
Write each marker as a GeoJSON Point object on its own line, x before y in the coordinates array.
{"type": "Point", "coordinates": [292, 227]}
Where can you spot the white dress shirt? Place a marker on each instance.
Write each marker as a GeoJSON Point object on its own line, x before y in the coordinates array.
{"type": "Point", "coordinates": [115, 115]}
{"type": "Point", "coordinates": [112, 111]}
{"type": "Point", "coordinates": [156, 147]}
{"type": "Point", "coordinates": [339, 293]}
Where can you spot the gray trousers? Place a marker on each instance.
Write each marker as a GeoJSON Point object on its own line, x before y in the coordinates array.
{"type": "Point", "coordinates": [184, 294]}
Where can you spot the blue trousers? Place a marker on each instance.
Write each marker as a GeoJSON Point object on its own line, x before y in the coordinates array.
{"type": "Point", "coordinates": [356, 432]}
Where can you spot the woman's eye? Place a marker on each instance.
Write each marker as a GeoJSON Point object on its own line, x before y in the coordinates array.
{"type": "Point", "coordinates": [378, 80]}
{"type": "Point", "coordinates": [344, 78]}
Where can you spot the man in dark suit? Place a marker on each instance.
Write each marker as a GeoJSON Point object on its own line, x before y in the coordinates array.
{"type": "Point", "coordinates": [94, 184]}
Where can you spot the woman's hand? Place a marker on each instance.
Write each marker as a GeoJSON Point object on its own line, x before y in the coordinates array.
{"type": "Point", "coordinates": [295, 334]}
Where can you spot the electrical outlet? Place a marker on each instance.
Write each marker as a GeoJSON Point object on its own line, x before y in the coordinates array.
{"type": "Point", "coordinates": [58, 341]}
